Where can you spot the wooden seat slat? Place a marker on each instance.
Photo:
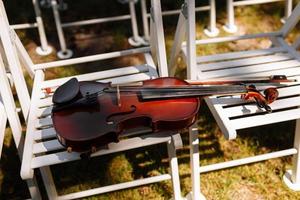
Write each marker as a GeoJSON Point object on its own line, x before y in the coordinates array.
{"type": "Point", "coordinates": [245, 62]}
{"type": "Point", "coordinates": [131, 143]}
{"type": "Point", "coordinates": [43, 122]}
{"type": "Point", "coordinates": [289, 72]}
{"type": "Point", "coordinates": [118, 80]}
{"type": "Point", "coordinates": [259, 120]}
{"type": "Point", "coordinates": [251, 70]}
{"type": "Point", "coordinates": [43, 147]}
{"type": "Point", "coordinates": [44, 134]}
{"type": "Point", "coordinates": [102, 75]}
{"type": "Point", "coordinates": [253, 108]}
{"type": "Point", "coordinates": [44, 112]}
{"type": "Point", "coordinates": [240, 54]}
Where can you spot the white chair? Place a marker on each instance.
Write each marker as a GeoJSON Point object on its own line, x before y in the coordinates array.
{"type": "Point", "coordinates": [42, 149]}
{"type": "Point", "coordinates": [44, 49]}
{"type": "Point", "coordinates": [210, 31]}
{"type": "Point", "coordinates": [9, 112]}
{"type": "Point", "coordinates": [3, 121]}
{"type": "Point", "coordinates": [65, 53]}
{"type": "Point", "coordinates": [232, 113]}
{"type": "Point", "coordinates": [230, 27]}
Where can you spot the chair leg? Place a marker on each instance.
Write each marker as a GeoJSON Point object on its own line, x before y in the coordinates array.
{"type": "Point", "coordinates": [212, 30]}
{"type": "Point", "coordinates": [44, 49]}
{"type": "Point", "coordinates": [145, 20]}
{"type": "Point", "coordinates": [33, 189]}
{"type": "Point", "coordinates": [135, 40]}
{"type": "Point", "coordinates": [64, 53]}
{"type": "Point", "coordinates": [49, 182]}
{"type": "Point", "coordinates": [174, 170]}
{"type": "Point", "coordinates": [288, 10]}
{"type": "Point", "coordinates": [230, 27]}
{"type": "Point", "coordinates": [292, 177]}
{"type": "Point", "coordinates": [195, 164]}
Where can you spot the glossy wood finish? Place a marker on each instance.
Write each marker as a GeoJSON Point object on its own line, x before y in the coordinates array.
{"type": "Point", "coordinates": [84, 128]}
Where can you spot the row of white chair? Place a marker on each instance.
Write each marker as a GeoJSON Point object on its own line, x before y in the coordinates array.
{"type": "Point", "coordinates": [41, 147]}
{"type": "Point", "coordinates": [43, 150]}
{"type": "Point", "coordinates": [136, 39]}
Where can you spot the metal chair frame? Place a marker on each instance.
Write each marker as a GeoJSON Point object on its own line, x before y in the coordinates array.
{"type": "Point", "coordinates": [210, 31]}
{"type": "Point", "coordinates": [40, 138]}
{"type": "Point", "coordinates": [44, 49]}
{"type": "Point", "coordinates": [281, 58]}
{"type": "Point", "coordinates": [230, 27]}
{"type": "Point", "coordinates": [65, 53]}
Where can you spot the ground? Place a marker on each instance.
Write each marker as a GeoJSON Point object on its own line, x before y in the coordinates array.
{"type": "Point", "coordinates": [261, 181]}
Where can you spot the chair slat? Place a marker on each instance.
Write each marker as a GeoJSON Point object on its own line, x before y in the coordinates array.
{"type": "Point", "coordinates": [44, 134]}
{"type": "Point", "coordinates": [47, 146]}
{"type": "Point", "coordinates": [259, 120]}
{"type": "Point", "coordinates": [249, 70]}
{"type": "Point", "coordinates": [253, 109]}
{"type": "Point", "coordinates": [102, 75]}
{"type": "Point", "coordinates": [239, 55]}
{"type": "Point", "coordinates": [132, 143]}
{"type": "Point", "coordinates": [245, 62]}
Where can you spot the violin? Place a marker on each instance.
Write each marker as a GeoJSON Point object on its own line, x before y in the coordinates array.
{"type": "Point", "coordinates": [87, 115]}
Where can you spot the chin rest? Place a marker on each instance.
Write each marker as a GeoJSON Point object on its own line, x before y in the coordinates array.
{"type": "Point", "coordinates": [67, 92]}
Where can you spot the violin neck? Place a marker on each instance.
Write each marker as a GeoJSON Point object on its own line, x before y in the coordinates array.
{"type": "Point", "coordinates": [190, 91]}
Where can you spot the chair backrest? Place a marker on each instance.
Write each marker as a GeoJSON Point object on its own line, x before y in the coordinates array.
{"type": "Point", "coordinates": [16, 53]}
{"type": "Point", "coordinates": [186, 29]}
{"type": "Point", "coordinates": [10, 108]}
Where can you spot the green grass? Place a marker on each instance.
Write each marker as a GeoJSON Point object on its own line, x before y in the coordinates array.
{"type": "Point", "coordinates": [256, 181]}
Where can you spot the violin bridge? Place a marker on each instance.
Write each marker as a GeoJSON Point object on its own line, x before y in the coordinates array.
{"type": "Point", "coordinates": [119, 96]}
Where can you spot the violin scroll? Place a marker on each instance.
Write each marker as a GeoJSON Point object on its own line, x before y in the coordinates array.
{"type": "Point", "coordinates": [262, 100]}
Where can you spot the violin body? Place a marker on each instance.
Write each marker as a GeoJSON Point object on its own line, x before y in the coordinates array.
{"type": "Point", "coordinates": [83, 128]}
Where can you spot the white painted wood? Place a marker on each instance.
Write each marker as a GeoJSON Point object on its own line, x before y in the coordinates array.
{"type": "Point", "coordinates": [250, 69]}
{"type": "Point", "coordinates": [246, 62]}
{"type": "Point", "coordinates": [180, 35]}
{"type": "Point", "coordinates": [194, 161]}
{"type": "Point", "coordinates": [60, 32]}
{"type": "Point", "coordinates": [191, 40]}
{"type": "Point", "coordinates": [151, 66]}
{"type": "Point", "coordinates": [222, 119]}
{"type": "Point", "coordinates": [3, 121]}
{"type": "Point", "coordinates": [248, 160]}
{"type": "Point", "coordinates": [291, 21]}
{"type": "Point", "coordinates": [86, 59]}
{"type": "Point", "coordinates": [236, 37]}
{"type": "Point", "coordinates": [252, 109]}
{"type": "Point", "coordinates": [259, 120]}
{"type": "Point", "coordinates": [15, 124]}
{"type": "Point", "coordinates": [14, 63]}
{"type": "Point", "coordinates": [288, 8]}
{"type": "Point", "coordinates": [116, 187]}
{"type": "Point", "coordinates": [296, 158]}
{"type": "Point", "coordinates": [23, 55]}
{"type": "Point", "coordinates": [160, 39]}
{"type": "Point", "coordinates": [49, 182]}
{"type": "Point", "coordinates": [239, 54]}
{"type": "Point", "coordinates": [290, 49]}
{"type": "Point", "coordinates": [101, 75]}
{"type": "Point", "coordinates": [26, 169]}
{"type": "Point", "coordinates": [40, 26]}
{"type": "Point", "coordinates": [174, 170]}
{"type": "Point", "coordinates": [123, 145]}
{"type": "Point", "coordinates": [23, 26]}
{"type": "Point", "coordinates": [95, 21]}
{"type": "Point", "coordinates": [145, 20]}
{"type": "Point", "coordinates": [252, 2]}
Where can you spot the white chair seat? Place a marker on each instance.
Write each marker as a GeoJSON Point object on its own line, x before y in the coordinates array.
{"type": "Point", "coordinates": [232, 113]}
{"type": "Point", "coordinates": [44, 138]}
